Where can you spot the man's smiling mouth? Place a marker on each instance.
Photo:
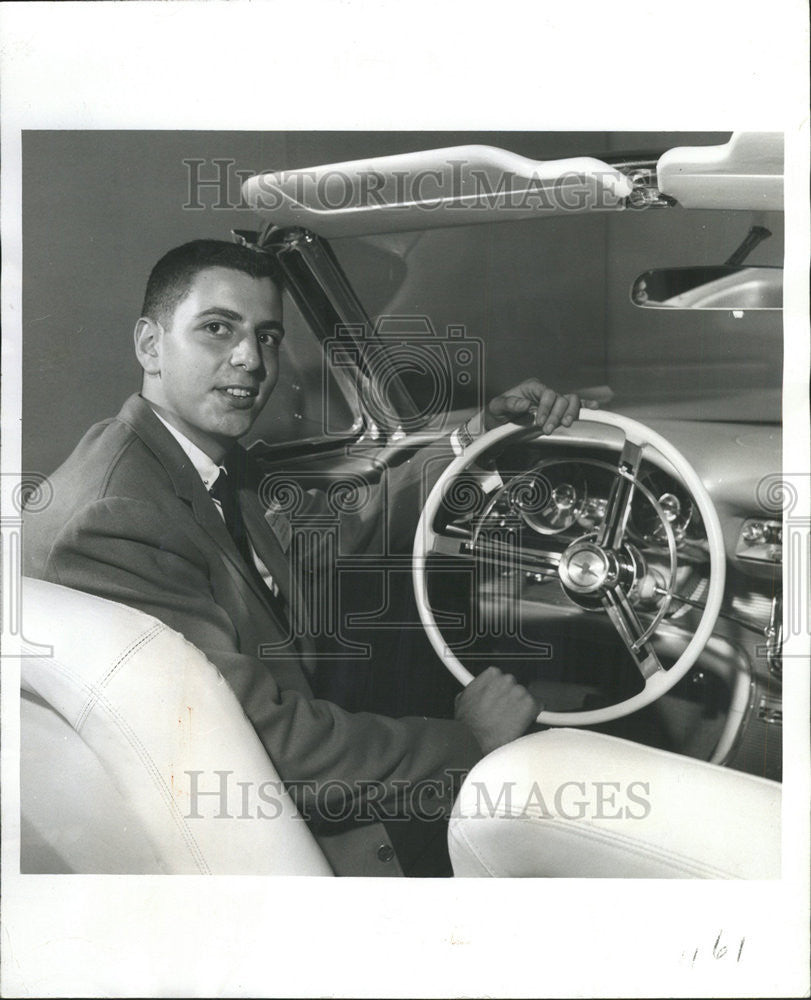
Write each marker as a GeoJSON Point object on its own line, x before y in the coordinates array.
{"type": "Point", "coordinates": [240, 392]}
{"type": "Point", "coordinates": [239, 397]}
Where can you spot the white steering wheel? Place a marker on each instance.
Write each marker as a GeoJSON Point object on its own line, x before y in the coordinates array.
{"type": "Point", "coordinates": [598, 567]}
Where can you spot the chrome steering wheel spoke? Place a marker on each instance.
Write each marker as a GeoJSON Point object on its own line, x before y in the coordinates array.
{"type": "Point", "coordinates": [618, 507]}
{"type": "Point", "coordinates": [538, 562]}
{"type": "Point", "coordinates": [632, 633]}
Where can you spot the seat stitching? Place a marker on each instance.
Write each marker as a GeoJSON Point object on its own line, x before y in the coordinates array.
{"type": "Point", "coordinates": [664, 755]}
{"type": "Point", "coordinates": [459, 831]}
{"type": "Point", "coordinates": [127, 655]}
{"type": "Point", "coordinates": [671, 858]}
{"type": "Point", "coordinates": [146, 759]}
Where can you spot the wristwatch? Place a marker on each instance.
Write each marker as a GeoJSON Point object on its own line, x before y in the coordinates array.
{"type": "Point", "coordinates": [466, 433]}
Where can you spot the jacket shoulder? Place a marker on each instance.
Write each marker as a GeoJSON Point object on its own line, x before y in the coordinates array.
{"type": "Point", "coordinates": [110, 461]}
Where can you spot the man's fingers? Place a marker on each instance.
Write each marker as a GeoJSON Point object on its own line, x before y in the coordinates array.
{"type": "Point", "coordinates": [511, 404]}
{"type": "Point", "coordinates": [545, 403]}
{"type": "Point", "coordinates": [491, 679]}
{"type": "Point", "coordinates": [549, 412]}
{"type": "Point", "coordinates": [496, 707]}
{"type": "Point", "coordinates": [572, 409]}
{"type": "Point", "coordinates": [555, 416]}
{"type": "Point", "coordinates": [491, 671]}
{"type": "Point", "coordinates": [554, 410]}
{"type": "Point", "coordinates": [496, 682]}
{"type": "Point", "coordinates": [534, 402]}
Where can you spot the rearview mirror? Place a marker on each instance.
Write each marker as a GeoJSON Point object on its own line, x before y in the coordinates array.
{"type": "Point", "coordinates": [722, 287]}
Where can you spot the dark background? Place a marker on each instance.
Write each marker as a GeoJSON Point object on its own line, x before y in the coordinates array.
{"type": "Point", "coordinates": [99, 208]}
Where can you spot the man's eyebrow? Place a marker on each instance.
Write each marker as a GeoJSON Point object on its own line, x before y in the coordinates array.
{"type": "Point", "coordinates": [220, 311]}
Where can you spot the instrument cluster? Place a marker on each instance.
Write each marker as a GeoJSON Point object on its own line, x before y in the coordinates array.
{"type": "Point", "coordinates": [560, 496]}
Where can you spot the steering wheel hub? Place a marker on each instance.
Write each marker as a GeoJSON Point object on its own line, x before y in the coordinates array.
{"type": "Point", "coordinates": [585, 568]}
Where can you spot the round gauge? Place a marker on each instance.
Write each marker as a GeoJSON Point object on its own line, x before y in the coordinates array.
{"type": "Point", "coordinates": [677, 510]}
{"type": "Point", "coordinates": [557, 499]}
{"type": "Point", "coordinates": [592, 511]}
{"type": "Point", "coordinates": [671, 506]}
{"type": "Point", "coordinates": [558, 514]}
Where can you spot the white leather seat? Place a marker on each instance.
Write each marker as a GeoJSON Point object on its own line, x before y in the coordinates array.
{"type": "Point", "coordinates": [577, 804]}
{"type": "Point", "coordinates": [136, 757]}
{"type": "Point", "coordinates": [127, 730]}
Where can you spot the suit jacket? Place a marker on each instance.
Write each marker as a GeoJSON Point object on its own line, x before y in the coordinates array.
{"type": "Point", "coordinates": [131, 521]}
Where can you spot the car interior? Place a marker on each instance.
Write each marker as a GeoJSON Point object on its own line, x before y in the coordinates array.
{"type": "Point", "coordinates": [627, 570]}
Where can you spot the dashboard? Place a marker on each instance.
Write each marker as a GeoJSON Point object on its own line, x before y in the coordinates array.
{"type": "Point", "coordinates": [540, 495]}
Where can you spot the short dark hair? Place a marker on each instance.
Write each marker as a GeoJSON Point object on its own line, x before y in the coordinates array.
{"type": "Point", "coordinates": [171, 278]}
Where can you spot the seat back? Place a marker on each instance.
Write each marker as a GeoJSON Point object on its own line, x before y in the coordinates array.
{"type": "Point", "coordinates": [577, 804]}
{"type": "Point", "coordinates": [136, 756]}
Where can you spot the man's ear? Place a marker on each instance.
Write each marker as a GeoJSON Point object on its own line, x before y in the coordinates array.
{"type": "Point", "coordinates": [147, 336]}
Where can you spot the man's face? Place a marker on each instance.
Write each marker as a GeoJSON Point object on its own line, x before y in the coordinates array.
{"type": "Point", "coordinates": [219, 357]}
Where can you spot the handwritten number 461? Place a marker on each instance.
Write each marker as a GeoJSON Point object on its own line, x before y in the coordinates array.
{"type": "Point", "coordinates": [721, 950]}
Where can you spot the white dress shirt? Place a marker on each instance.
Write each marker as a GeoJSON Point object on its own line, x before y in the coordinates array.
{"type": "Point", "coordinates": [208, 470]}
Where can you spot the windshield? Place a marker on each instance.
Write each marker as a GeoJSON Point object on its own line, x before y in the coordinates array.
{"type": "Point", "coordinates": [552, 296]}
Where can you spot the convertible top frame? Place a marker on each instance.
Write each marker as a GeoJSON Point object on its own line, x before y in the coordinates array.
{"type": "Point", "coordinates": [465, 185]}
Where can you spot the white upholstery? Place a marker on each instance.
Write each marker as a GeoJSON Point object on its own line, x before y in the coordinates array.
{"type": "Point", "coordinates": [576, 804]}
{"type": "Point", "coordinates": [112, 724]}
{"type": "Point", "coordinates": [115, 720]}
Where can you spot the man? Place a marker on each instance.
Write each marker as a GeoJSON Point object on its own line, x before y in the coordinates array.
{"type": "Point", "coordinates": [146, 511]}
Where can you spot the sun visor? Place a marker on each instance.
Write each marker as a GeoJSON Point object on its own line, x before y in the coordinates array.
{"type": "Point", "coordinates": [744, 173]}
{"type": "Point", "coordinates": [457, 185]}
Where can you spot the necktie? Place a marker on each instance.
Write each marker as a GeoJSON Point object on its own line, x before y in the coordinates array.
{"type": "Point", "coordinates": [224, 490]}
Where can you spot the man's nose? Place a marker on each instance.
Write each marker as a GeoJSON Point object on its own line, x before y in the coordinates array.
{"type": "Point", "coordinates": [246, 354]}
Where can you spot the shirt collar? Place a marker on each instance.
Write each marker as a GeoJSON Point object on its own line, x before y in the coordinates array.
{"type": "Point", "coordinates": [206, 467]}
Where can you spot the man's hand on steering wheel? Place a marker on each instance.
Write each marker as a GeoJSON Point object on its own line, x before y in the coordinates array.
{"type": "Point", "coordinates": [497, 708]}
{"type": "Point", "coordinates": [532, 402]}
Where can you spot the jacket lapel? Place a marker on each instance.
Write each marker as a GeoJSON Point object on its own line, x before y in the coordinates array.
{"type": "Point", "coordinates": [268, 548]}
{"type": "Point", "coordinates": [265, 543]}
{"type": "Point", "coordinates": [188, 486]}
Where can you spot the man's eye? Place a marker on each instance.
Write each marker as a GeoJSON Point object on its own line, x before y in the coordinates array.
{"type": "Point", "coordinates": [217, 329]}
{"type": "Point", "coordinates": [269, 339]}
